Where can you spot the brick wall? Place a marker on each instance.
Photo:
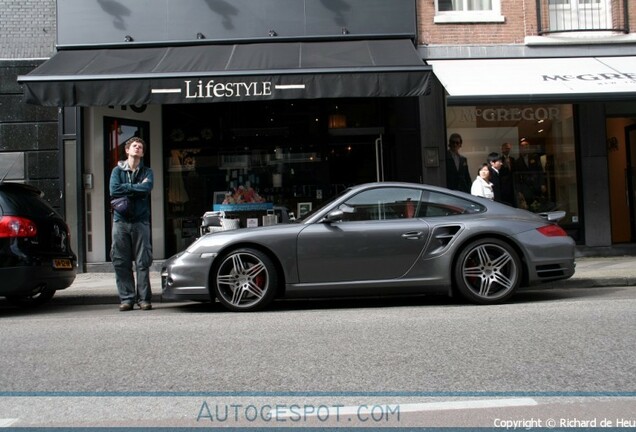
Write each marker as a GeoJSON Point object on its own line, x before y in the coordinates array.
{"type": "Point", "coordinates": [520, 21]}
{"type": "Point", "coordinates": [27, 29]}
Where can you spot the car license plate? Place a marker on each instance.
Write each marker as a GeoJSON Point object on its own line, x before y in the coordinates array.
{"type": "Point", "coordinates": [62, 264]}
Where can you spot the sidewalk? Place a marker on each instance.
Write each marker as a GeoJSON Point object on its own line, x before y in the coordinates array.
{"type": "Point", "coordinates": [590, 273]}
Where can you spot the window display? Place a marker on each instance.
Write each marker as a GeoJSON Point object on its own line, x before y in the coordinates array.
{"type": "Point", "coordinates": [274, 161]}
{"type": "Point", "coordinates": [537, 146]}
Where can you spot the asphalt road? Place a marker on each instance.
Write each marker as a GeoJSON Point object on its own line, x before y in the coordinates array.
{"type": "Point", "coordinates": [183, 364]}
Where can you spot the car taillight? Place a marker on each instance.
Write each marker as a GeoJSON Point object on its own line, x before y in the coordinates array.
{"type": "Point", "coordinates": [14, 226]}
{"type": "Point", "coordinates": [552, 231]}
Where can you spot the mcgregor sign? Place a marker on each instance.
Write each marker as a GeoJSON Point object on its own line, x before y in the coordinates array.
{"type": "Point", "coordinates": [591, 77]}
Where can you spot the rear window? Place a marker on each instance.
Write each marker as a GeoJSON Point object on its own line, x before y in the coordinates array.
{"type": "Point", "coordinates": [440, 204]}
{"type": "Point", "coordinates": [23, 202]}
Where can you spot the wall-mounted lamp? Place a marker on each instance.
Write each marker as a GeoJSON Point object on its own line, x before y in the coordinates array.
{"type": "Point", "coordinates": [200, 36]}
{"type": "Point", "coordinates": [128, 38]}
{"type": "Point", "coordinates": [273, 33]}
{"type": "Point", "coordinates": [612, 144]}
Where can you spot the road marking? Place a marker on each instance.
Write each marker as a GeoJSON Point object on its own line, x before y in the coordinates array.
{"type": "Point", "coordinates": [470, 404]}
{"type": "Point", "coordinates": [419, 407]}
{"type": "Point", "coordinates": [7, 422]}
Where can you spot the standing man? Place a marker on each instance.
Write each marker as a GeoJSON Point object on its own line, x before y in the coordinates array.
{"type": "Point", "coordinates": [457, 175]}
{"type": "Point", "coordinates": [528, 175]}
{"type": "Point", "coordinates": [494, 166]}
{"type": "Point", "coordinates": [505, 174]}
{"type": "Point", "coordinates": [131, 228]}
{"type": "Point", "coordinates": [501, 179]}
{"type": "Point", "coordinates": [508, 161]}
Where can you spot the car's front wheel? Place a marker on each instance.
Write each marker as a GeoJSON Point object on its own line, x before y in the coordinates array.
{"type": "Point", "coordinates": [245, 280]}
{"type": "Point", "coordinates": [36, 298]}
{"type": "Point", "coordinates": [488, 271]}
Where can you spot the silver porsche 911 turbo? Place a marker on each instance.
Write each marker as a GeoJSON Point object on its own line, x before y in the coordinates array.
{"type": "Point", "coordinates": [377, 239]}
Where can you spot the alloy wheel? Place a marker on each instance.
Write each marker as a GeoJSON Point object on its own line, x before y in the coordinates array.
{"type": "Point", "coordinates": [488, 271]}
{"type": "Point", "coordinates": [245, 280]}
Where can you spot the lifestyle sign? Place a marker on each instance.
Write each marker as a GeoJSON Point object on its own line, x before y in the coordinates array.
{"type": "Point", "coordinates": [214, 89]}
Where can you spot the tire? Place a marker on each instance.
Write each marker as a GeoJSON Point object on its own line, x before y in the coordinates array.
{"type": "Point", "coordinates": [34, 299]}
{"type": "Point", "coordinates": [488, 271]}
{"type": "Point", "coordinates": [245, 280]}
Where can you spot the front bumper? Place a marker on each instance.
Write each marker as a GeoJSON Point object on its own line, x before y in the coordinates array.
{"type": "Point", "coordinates": [186, 277]}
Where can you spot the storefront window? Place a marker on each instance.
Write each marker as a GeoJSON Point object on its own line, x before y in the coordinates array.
{"type": "Point", "coordinates": [279, 157]}
{"type": "Point", "coordinates": [540, 141]}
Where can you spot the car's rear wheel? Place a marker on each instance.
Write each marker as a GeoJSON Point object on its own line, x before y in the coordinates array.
{"type": "Point", "coordinates": [488, 271]}
{"type": "Point", "coordinates": [38, 297]}
{"type": "Point", "coordinates": [245, 280]}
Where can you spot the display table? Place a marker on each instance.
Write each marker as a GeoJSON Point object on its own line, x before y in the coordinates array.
{"type": "Point", "coordinates": [245, 211]}
{"type": "Point", "coordinates": [264, 206]}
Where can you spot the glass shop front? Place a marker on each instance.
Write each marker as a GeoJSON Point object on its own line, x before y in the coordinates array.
{"type": "Point", "coordinates": [256, 160]}
{"type": "Point", "coordinates": [539, 144]}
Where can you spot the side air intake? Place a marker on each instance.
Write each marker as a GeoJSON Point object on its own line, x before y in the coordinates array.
{"type": "Point", "coordinates": [441, 238]}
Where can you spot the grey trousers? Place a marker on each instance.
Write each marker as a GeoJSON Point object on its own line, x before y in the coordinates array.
{"type": "Point", "coordinates": [131, 242]}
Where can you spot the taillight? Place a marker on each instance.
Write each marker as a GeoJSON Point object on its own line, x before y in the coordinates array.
{"type": "Point", "coordinates": [552, 231]}
{"type": "Point", "coordinates": [14, 226]}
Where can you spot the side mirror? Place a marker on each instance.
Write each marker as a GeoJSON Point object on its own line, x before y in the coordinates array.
{"type": "Point", "coordinates": [334, 216]}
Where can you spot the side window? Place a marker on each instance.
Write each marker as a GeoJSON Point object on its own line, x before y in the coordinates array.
{"type": "Point", "coordinates": [448, 11]}
{"type": "Point", "coordinates": [435, 204]}
{"type": "Point", "coordinates": [404, 203]}
{"type": "Point", "coordinates": [382, 204]}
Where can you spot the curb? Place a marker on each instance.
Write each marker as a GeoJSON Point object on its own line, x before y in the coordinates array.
{"type": "Point", "coordinates": [602, 282]}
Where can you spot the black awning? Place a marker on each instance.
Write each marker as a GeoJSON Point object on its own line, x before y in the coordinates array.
{"type": "Point", "coordinates": [216, 73]}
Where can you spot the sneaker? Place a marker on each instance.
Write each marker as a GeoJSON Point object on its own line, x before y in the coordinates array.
{"type": "Point", "coordinates": [125, 307]}
{"type": "Point", "coordinates": [145, 306]}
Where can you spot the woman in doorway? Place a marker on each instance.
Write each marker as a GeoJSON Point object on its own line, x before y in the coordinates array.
{"type": "Point", "coordinates": [482, 186]}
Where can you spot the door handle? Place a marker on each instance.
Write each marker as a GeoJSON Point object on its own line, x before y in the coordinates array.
{"type": "Point", "coordinates": [416, 235]}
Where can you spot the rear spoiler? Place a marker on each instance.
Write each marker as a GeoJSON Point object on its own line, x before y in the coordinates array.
{"type": "Point", "coordinates": [553, 216]}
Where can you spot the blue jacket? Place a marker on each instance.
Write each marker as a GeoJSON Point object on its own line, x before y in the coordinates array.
{"type": "Point", "coordinates": [137, 186]}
